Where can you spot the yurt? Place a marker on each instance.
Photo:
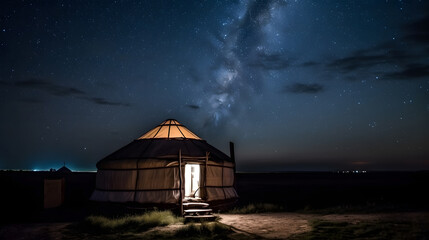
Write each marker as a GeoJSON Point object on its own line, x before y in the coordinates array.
{"type": "Point", "coordinates": [167, 165]}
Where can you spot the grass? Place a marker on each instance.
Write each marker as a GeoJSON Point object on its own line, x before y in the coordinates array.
{"type": "Point", "coordinates": [137, 226]}
{"type": "Point", "coordinates": [257, 208]}
{"type": "Point", "coordinates": [367, 230]}
{"type": "Point", "coordinates": [131, 223]}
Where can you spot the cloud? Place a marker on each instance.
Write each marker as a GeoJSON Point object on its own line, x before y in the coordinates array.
{"type": "Point", "coordinates": [309, 64]}
{"type": "Point", "coordinates": [270, 61]}
{"type": "Point", "coordinates": [49, 87]}
{"type": "Point", "coordinates": [191, 106]}
{"type": "Point", "coordinates": [388, 55]}
{"type": "Point", "coordinates": [59, 91]}
{"type": "Point", "coordinates": [418, 31]}
{"type": "Point", "coordinates": [304, 88]}
{"type": "Point", "coordinates": [102, 101]}
{"type": "Point", "coordinates": [412, 71]}
{"type": "Point", "coordinates": [369, 58]}
{"type": "Point", "coordinates": [408, 53]}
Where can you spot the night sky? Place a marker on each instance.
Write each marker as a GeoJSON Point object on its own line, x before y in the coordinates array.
{"type": "Point", "coordinates": [296, 85]}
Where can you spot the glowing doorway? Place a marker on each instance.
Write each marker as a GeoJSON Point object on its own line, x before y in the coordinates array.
{"type": "Point", "coordinates": [192, 180]}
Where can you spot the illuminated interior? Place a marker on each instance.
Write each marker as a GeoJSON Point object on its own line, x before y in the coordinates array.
{"type": "Point", "coordinates": [192, 180]}
{"type": "Point", "coordinates": [170, 129]}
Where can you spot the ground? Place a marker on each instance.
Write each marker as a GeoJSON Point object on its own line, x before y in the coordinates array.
{"type": "Point", "coordinates": [259, 226]}
{"type": "Point", "coordinates": [30, 231]}
{"type": "Point", "coordinates": [284, 225]}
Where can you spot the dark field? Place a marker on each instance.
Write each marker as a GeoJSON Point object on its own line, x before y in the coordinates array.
{"type": "Point", "coordinates": [22, 193]}
{"type": "Point", "coordinates": [373, 191]}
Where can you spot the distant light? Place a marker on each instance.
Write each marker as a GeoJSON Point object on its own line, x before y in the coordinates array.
{"type": "Point", "coordinates": [36, 170]}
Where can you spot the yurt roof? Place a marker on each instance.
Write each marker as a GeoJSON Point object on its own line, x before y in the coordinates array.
{"type": "Point", "coordinates": [165, 141]}
{"type": "Point", "coordinates": [170, 129]}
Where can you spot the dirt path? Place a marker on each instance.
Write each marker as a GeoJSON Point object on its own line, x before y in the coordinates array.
{"type": "Point", "coordinates": [283, 225]}
{"type": "Point", "coordinates": [269, 225]}
{"type": "Point", "coordinates": [264, 225]}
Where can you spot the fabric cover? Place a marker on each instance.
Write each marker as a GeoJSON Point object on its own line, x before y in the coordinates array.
{"type": "Point", "coordinates": [168, 196]}
{"type": "Point", "coordinates": [161, 178]}
{"type": "Point", "coordinates": [147, 169]}
{"type": "Point", "coordinates": [116, 180]}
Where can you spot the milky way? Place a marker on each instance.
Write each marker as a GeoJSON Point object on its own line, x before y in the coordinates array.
{"type": "Point", "coordinates": [241, 46]}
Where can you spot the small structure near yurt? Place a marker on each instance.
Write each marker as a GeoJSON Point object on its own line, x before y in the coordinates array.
{"type": "Point", "coordinates": [168, 165]}
{"type": "Point", "coordinates": [54, 187]}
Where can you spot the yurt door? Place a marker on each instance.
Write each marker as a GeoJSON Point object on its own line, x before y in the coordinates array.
{"type": "Point", "coordinates": [192, 180]}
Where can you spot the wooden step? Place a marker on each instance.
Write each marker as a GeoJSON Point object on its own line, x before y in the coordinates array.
{"type": "Point", "coordinates": [197, 211]}
{"type": "Point", "coordinates": [195, 204]}
{"type": "Point", "coordinates": [199, 216]}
